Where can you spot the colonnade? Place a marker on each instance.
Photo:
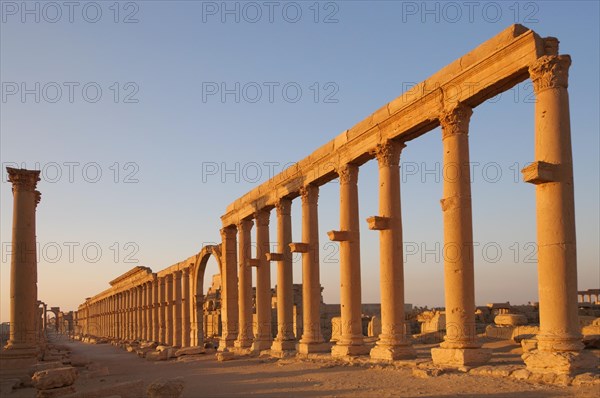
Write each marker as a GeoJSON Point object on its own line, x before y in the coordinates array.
{"type": "Point", "coordinates": [589, 296]}
{"type": "Point", "coordinates": [158, 308]}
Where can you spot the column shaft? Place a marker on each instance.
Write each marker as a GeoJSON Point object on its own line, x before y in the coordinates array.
{"type": "Point", "coordinates": [229, 294]}
{"type": "Point", "coordinates": [186, 299]}
{"type": "Point", "coordinates": [177, 338]}
{"type": "Point", "coordinates": [245, 334]}
{"type": "Point", "coordinates": [264, 335]}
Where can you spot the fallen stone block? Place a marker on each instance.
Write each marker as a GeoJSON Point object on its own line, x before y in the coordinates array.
{"type": "Point", "coordinates": [586, 379]}
{"type": "Point", "coordinates": [157, 355]}
{"type": "Point", "coordinates": [172, 388]}
{"type": "Point", "coordinates": [45, 366]}
{"type": "Point", "coordinates": [591, 341]}
{"type": "Point", "coordinates": [510, 320]}
{"type": "Point", "coordinates": [426, 373]}
{"type": "Point", "coordinates": [54, 378]}
{"type": "Point", "coordinates": [521, 374]}
{"type": "Point", "coordinates": [499, 332]}
{"type": "Point", "coordinates": [225, 356]}
{"type": "Point", "coordinates": [79, 360]}
{"type": "Point", "coordinates": [524, 332]}
{"type": "Point", "coordinates": [190, 351]}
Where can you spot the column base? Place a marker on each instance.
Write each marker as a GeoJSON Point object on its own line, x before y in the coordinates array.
{"type": "Point", "coordinates": [260, 345]}
{"type": "Point", "coordinates": [17, 361]}
{"type": "Point", "coordinates": [246, 343]}
{"type": "Point", "coordinates": [562, 362]}
{"type": "Point", "coordinates": [225, 344]}
{"type": "Point", "coordinates": [393, 352]}
{"type": "Point", "coordinates": [340, 351]}
{"type": "Point", "coordinates": [283, 345]}
{"type": "Point", "coordinates": [458, 357]}
{"type": "Point", "coordinates": [313, 348]}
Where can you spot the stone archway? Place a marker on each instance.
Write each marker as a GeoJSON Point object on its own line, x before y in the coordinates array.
{"type": "Point", "coordinates": [197, 287]}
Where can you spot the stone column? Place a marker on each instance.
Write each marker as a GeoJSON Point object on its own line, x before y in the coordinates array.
{"type": "Point", "coordinates": [140, 312]}
{"type": "Point", "coordinates": [351, 341]}
{"type": "Point", "coordinates": [285, 339]}
{"type": "Point", "coordinates": [559, 339]}
{"type": "Point", "coordinates": [143, 313]}
{"type": "Point", "coordinates": [23, 265]}
{"type": "Point", "coordinates": [169, 326]}
{"type": "Point", "coordinates": [155, 309]}
{"type": "Point", "coordinates": [177, 340]}
{"type": "Point", "coordinates": [312, 337]}
{"type": "Point", "coordinates": [460, 347]}
{"type": "Point", "coordinates": [229, 293]}
{"type": "Point", "coordinates": [131, 314]}
{"type": "Point", "coordinates": [264, 336]}
{"type": "Point", "coordinates": [245, 334]}
{"type": "Point", "coordinates": [392, 343]}
{"type": "Point", "coordinates": [149, 310]}
{"type": "Point", "coordinates": [162, 313]}
{"type": "Point", "coordinates": [199, 334]}
{"type": "Point", "coordinates": [186, 322]}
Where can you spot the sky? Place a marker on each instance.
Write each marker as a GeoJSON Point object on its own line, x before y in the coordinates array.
{"type": "Point", "coordinates": [147, 118]}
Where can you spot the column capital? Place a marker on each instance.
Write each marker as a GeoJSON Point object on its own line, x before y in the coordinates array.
{"type": "Point", "coordinates": [456, 120]}
{"type": "Point", "coordinates": [348, 174]}
{"type": "Point", "coordinates": [38, 197]}
{"type": "Point", "coordinates": [177, 274]}
{"type": "Point", "coordinates": [245, 224]}
{"type": "Point", "coordinates": [388, 153]}
{"type": "Point", "coordinates": [284, 207]}
{"type": "Point", "coordinates": [22, 179]}
{"type": "Point", "coordinates": [262, 218]}
{"type": "Point", "coordinates": [309, 194]}
{"type": "Point", "coordinates": [550, 71]}
{"type": "Point", "coordinates": [228, 232]}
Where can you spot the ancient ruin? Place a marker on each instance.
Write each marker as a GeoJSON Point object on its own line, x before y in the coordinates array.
{"type": "Point", "coordinates": [167, 308]}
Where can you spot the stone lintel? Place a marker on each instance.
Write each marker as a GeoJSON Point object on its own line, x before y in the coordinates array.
{"type": "Point", "coordinates": [377, 223]}
{"type": "Point", "coordinates": [299, 247]}
{"type": "Point", "coordinates": [339, 236]}
{"type": "Point", "coordinates": [540, 173]}
{"type": "Point", "coordinates": [274, 256]}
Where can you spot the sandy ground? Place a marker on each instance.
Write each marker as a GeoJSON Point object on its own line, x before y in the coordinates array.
{"type": "Point", "coordinates": [270, 377]}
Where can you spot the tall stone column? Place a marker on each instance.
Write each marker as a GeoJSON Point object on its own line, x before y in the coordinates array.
{"type": "Point", "coordinates": [264, 336]}
{"type": "Point", "coordinates": [140, 312]}
{"type": "Point", "coordinates": [23, 265]}
{"type": "Point", "coordinates": [130, 313]}
{"type": "Point", "coordinates": [559, 339]}
{"type": "Point", "coordinates": [155, 309]}
{"type": "Point", "coordinates": [285, 339]}
{"type": "Point", "coordinates": [392, 343]}
{"type": "Point", "coordinates": [229, 293]}
{"type": "Point", "coordinates": [162, 313]}
{"type": "Point", "coordinates": [148, 311]}
{"type": "Point", "coordinates": [460, 347]}
{"type": "Point", "coordinates": [199, 333]}
{"type": "Point", "coordinates": [186, 308]}
{"type": "Point", "coordinates": [177, 340]}
{"type": "Point", "coordinates": [245, 334]}
{"type": "Point", "coordinates": [312, 337]}
{"type": "Point", "coordinates": [143, 313]}
{"type": "Point", "coordinates": [351, 341]}
{"type": "Point", "coordinates": [169, 310]}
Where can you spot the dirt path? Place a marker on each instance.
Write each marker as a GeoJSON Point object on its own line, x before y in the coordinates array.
{"type": "Point", "coordinates": [267, 377]}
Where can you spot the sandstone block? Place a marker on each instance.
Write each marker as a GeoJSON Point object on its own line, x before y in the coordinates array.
{"type": "Point", "coordinates": [591, 341]}
{"type": "Point", "coordinates": [457, 357]}
{"type": "Point", "coordinates": [559, 362]}
{"type": "Point", "coordinates": [172, 388]}
{"type": "Point", "coordinates": [529, 345]}
{"type": "Point", "coordinates": [45, 366]}
{"type": "Point", "coordinates": [54, 378]}
{"type": "Point", "coordinates": [499, 332]}
{"type": "Point", "coordinates": [510, 319]}
{"type": "Point", "coordinates": [190, 351]}
{"type": "Point", "coordinates": [524, 332]}
{"type": "Point", "coordinates": [55, 392]}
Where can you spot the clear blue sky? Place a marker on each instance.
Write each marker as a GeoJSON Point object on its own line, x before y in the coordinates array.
{"type": "Point", "coordinates": [163, 138]}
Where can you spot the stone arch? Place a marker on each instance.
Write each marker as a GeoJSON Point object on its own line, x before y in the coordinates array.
{"type": "Point", "coordinates": [197, 275]}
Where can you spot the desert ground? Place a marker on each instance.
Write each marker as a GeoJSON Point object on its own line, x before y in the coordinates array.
{"type": "Point", "coordinates": [264, 376]}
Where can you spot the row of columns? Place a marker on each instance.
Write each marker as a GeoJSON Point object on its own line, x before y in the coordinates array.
{"type": "Point", "coordinates": [156, 310]}
{"type": "Point", "coordinates": [588, 297]}
{"type": "Point", "coordinates": [552, 175]}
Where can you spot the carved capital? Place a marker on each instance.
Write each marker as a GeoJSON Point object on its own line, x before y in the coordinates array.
{"type": "Point", "coordinates": [388, 153]}
{"type": "Point", "coordinates": [456, 121]}
{"type": "Point", "coordinates": [228, 233]}
{"type": "Point", "coordinates": [348, 174]}
{"type": "Point", "coordinates": [245, 225]}
{"type": "Point", "coordinates": [284, 207]}
{"type": "Point", "coordinates": [38, 197]}
{"type": "Point", "coordinates": [550, 71]}
{"type": "Point", "coordinates": [310, 194]}
{"type": "Point", "coordinates": [262, 218]}
{"type": "Point", "coordinates": [23, 180]}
